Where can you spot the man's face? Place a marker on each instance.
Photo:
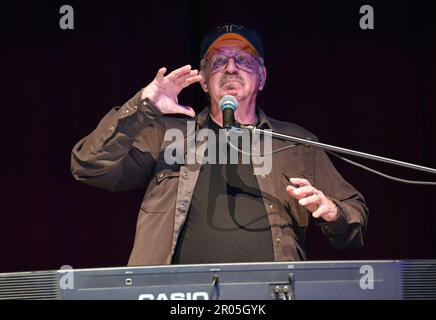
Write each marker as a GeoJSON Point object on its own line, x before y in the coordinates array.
{"type": "Point", "coordinates": [231, 70]}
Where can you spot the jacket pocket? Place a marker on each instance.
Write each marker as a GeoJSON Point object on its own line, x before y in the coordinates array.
{"type": "Point", "coordinates": [166, 174]}
{"type": "Point", "coordinates": [161, 192]}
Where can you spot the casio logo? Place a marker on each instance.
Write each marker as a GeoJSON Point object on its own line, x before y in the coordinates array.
{"type": "Point", "coordinates": [200, 295]}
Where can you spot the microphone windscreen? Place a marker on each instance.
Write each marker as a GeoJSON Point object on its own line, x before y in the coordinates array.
{"type": "Point", "coordinates": [228, 101]}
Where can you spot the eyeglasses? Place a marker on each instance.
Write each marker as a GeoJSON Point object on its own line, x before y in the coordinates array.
{"type": "Point", "coordinates": [243, 60]}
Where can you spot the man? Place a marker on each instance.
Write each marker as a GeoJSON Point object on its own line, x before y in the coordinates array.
{"type": "Point", "coordinates": [216, 213]}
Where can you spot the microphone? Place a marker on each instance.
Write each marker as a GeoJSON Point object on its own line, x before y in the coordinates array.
{"type": "Point", "coordinates": [228, 105]}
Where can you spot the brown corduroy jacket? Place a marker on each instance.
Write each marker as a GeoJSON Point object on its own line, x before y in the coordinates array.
{"type": "Point", "coordinates": [126, 151]}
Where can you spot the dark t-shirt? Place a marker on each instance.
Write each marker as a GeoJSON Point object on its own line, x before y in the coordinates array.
{"type": "Point", "coordinates": [227, 221]}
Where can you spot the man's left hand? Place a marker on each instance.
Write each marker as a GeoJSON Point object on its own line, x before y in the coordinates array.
{"type": "Point", "coordinates": [311, 198]}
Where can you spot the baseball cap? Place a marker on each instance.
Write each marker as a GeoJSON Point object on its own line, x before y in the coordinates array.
{"type": "Point", "coordinates": [232, 33]}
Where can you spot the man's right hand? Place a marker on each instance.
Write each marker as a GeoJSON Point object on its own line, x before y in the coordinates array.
{"type": "Point", "coordinates": [163, 90]}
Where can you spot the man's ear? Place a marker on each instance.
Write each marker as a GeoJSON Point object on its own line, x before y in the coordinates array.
{"type": "Point", "coordinates": [203, 81]}
{"type": "Point", "coordinates": [262, 78]}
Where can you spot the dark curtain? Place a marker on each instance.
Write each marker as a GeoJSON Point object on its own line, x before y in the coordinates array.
{"type": "Point", "coordinates": [370, 90]}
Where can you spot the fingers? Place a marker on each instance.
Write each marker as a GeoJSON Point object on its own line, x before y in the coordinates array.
{"type": "Point", "coordinates": [305, 193]}
{"type": "Point", "coordinates": [313, 199]}
{"type": "Point", "coordinates": [179, 72]}
{"type": "Point", "coordinates": [299, 182]}
{"type": "Point", "coordinates": [326, 212]}
{"type": "Point", "coordinates": [191, 80]}
{"type": "Point", "coordinates": [160, 74]}
{"type": "Point", "coordinates": [299, 193]}
{"type": "Point", "coordinates": [321, 211]}
{"type": "Point", "coordinates": [182, 77]}
{"type": "Point", "coordinates": [186, 110]}
{"type": "Point", "coordinates": [188, 76]}
{"type": "Point", "coordinates": [183, 73]}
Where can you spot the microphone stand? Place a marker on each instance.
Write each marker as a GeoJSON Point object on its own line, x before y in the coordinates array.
{"type": "Point", "coordinates": [339, 149]}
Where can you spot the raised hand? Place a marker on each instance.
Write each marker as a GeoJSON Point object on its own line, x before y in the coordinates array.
{"type": "Point", "coordinates": [163, 90]}
{"type": "Point", "coordinates": [311, 198]}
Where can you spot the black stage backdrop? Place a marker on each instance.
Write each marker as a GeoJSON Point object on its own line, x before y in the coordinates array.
{"type": "Point", "coordinates": [371, 90]}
